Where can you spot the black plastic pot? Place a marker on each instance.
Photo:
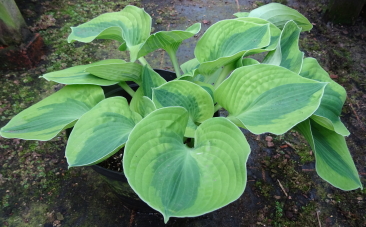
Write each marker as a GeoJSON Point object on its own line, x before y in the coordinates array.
{"type": "Point", "coordinates": [117, 180]}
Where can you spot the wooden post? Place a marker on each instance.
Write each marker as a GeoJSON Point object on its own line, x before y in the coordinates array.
{"type": "Point", "coordinates": [344, 11]}
{"type": "Point", "coordinates": [13, 30]}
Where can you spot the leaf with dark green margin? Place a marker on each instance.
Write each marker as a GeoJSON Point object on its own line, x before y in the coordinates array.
{"type": "Point", "coordinates": [223, 43]}
{"type": "Point", "coordinates": [127, 71]}
{"type": "Point", "coordinates": [77, 74]}
{"type": "Point", "coordinates": [333, 160]}
{"type": "Point", "coordinates": [130, 26]}
{"type": "Point", "coordinates": [287, 54]}
{"type": "Point", "coordinates": [101, 132]}
{"type": "Point", "coordinates": [279, 14]}
{"type": "Point", "coordinates": [167, 40]}
{"type": "Point", "coordinates": [268, 98]}
{"type": "Point", "coordinates": [333, 99]}
{"type": "Point", "coordinates": [45, 119]}
{"type": "Point", "coordinates": [150, 79]}
{"type": "Point", "coordinates": [189, 95]}
{"type": "Point", "coordinates": [179, 181]}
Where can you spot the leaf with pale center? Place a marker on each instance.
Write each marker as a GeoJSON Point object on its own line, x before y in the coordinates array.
{"type": "Point", "coordinates": [267, 98]}
{"type": "Point", "coordinates": [101, 132]}
{"type": "Point", "coordinates": [45, 119]}
{"type": "Point", "coordinates": [127, 71]}
{"type": "Point", "coordinates": [167, 40]}
{"type": "Point", "coordinates": [333, 160]}
{"type": "Point", "coordinates": [179, 181]}
{"type": "Point", "coordinates": [226, 41]}
{"type": "Point", "coordinates": [78, 75]}
{"type": "Point", "coordinates": [333, 99]}
{"type": "Point", "coordinates": [191, 96]}
{"type": "Point", "coordinates": [130, 26]}
{"type": "Point", "coordinates": [287, 53]}
{"type": "Point", "coordinates": [279, 14]}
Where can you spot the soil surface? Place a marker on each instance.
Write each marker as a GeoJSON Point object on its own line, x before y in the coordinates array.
{"type": "Point", "coordinates": [283, 189]}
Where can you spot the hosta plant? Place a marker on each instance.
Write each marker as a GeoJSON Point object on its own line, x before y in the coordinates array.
{"type": "Point", "coordinates": [178, 157]}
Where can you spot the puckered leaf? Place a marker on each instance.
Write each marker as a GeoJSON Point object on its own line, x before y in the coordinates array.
{"type": "Point", "coordinates": [333, 99]}
{"type": "Point", "coordinates": [130, 26]}
{"type": "Point", "coordinates": [279, 14]}
{"type": "Point", "coordinates": [268, 98]}
{"type": "Point", "coordinates": [126, 71]}
{"type": "Point", "coordinates": [189, 95]}
{"type": "Point", "coordinates": [78, 75]}
{"type": "Point", "coordinates": [287, 53]}
{"type": "Point", "coordinates": [226, 41]}
{"type": "Point", "coordinates": [179, 181]}
{"type": "Point", "coordinates": [45, 119]}
{"type": "Point", "coordinates": [167, 40]}
{"type": "Point", "coordinates": [100, 132]}
{"type": "Point", "coordinates": [333, 160]}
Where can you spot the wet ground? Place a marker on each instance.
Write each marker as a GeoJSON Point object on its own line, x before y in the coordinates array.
{"type": "Point", "coordinates": [37, 189]}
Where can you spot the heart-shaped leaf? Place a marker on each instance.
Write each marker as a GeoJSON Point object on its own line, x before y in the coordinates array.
{"type": "Point", "coordinates": [268, 98]}
{"type": "Point", "coordinates": [167, 40]}
{"type": "Point", "coordinates": [189, 95]}
{"type": "Point", "coordinates": [45, 119]}
{"type": "Point", "coordinates": [333, 160]}
{"type": "Point", "coordinates": [287, 53]}
{"type": "Point", "coordinates": [100, 132]}
{"type": "Point", "coordinates": [179, 181]}
{"type": "Point", "coordinates": [333, 99]}
{"type": "Point", "coordinates": [127, 71]}
{"type": "Point", "coordinates": [279, 14]}
{"type": "Point", "coordinates": [226, 41]}
{"type": "Point", "coordinates": [78, 75]}
{"type": "Point", "coordinates": [130, 26]}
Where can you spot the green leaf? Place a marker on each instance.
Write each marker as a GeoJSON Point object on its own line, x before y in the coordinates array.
{"type": "Point", "coordinates": [45, 119]}
{"type": "Point", "coordinates": [223, 43]}
{"type": "Point", "coordinates": [275, 32]}
{"type": "Point", "coordinates": [150, 80]}
{"type": "Point", "coordinates": [268, 98]}
{"type": "Point", "coordinates": [179, 181]}
{"type": "Point", "coordinates": [127, 71]}
{"type": "Point", "coordinates": [191, 96]}
{"type": "Point", "coordinates": [279, 14]}
{"type": "Point", "coordinates": [130, 26]}
{"type": "Point", "coordinates": [189, 67]}
{"type": "Point", "coordinates": [333, 160]}
{"type": "Point", "coordinates": [241, 14]}
{"type": "Point", "coordinates": [246, 62]}
{"type": "Point", "coordinates": [287, 53]}
{"type": "Point", "coordinates": [142, 104]}
{"type": "Point", "coordinates": [77, 74]}
{"type": "Point", "coordinates": [167, 40]}
{"type": "Point", "coordinates": [101, 132]}
{"type": "Point", "coordinates": [333, 99]}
